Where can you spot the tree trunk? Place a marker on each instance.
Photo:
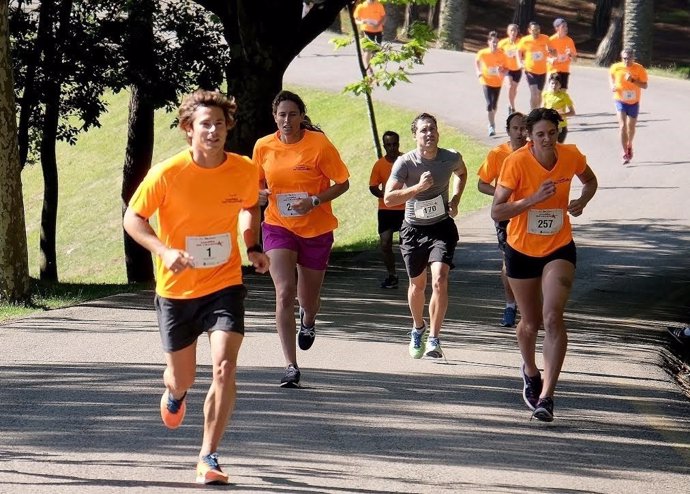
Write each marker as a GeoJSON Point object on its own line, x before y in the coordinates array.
{"type": "Point", "coordinates": [30, 94]}
{"type": "Point", "coordinates": [395, 16]}
{"type": "Point", "coordinates": [602, 17]}
{"type": "Point", "coordinates": [14, 260]}
{"type": "Point", "coordinates": [452, 24]}
{"type": "Point", "coordinates": [638, 26]}
{"type": "Point", "coordinates": [610, 47]}
{"type": "Point", "coordinates": [367, 94]}
{"type": "Point", "coordinates": [524, 13]}
{"type": "Point", "coordinates": [51, 117]}
{"type": "Point", "coordinates": [140, 128]}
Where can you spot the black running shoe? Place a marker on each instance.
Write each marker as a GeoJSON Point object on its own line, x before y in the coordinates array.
{"type": "Point", "coordinates": [291, 377]}
{"type": "Point", "coordinates": [544, 410]}
{"type": "Point", "coordinates": [306, 336]}
{"type": "Point", "coordinates": [390, 282]}
{"type": "Point", "coordinates": [681, 335]}
{"type": "Point", "coordinates": [531, 388]}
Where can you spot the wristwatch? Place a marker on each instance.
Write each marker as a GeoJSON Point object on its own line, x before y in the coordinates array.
{"type": "Point", "coordinates": [315, 201]}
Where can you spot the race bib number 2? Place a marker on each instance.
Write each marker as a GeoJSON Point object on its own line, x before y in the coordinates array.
{"type": "Point", "coordinates": [544, 221]}
{"type": "Point", "coordinates": [285, 202]}
{"type": "Point", "coordinates": [210, 250]}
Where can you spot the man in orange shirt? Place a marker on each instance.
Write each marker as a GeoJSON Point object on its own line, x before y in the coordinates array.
{"type": "Point", "coordinates": [565, 52]}
{"type": "Point", "coordinates": [509, 46]}
{"type": "Point", "coordinates": [370, 16]}
{"type": "Point", "coordinates": [200, 196]}
{"type": "Point", "coordinates": [490, 65]}
{"type": "Point", "coordinates": [488, 173]}
{"type": "Point", "coordinates": [389, 218]}
{"type": "Point", "coordinates": [627, 79]}
{"type": "Point", "coordinates": [533, 50]}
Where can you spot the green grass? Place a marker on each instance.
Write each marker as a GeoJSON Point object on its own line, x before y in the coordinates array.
{"type": "Point", "coordinates": [89, 234]}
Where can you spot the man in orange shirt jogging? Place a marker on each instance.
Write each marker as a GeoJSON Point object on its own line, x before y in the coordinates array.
{"type": "Point", "coordinates": [565, 52]}
{"type": "Point", "coordinates": [533, 50]}
{"type": "Point", "coordinates": [490, 65]}
{"type": "Point", "coordinates": [533, 192]}
{"type": "Point", "coordinates": [201, 196]}
{"type": "Point", "coordinates": [370, 16]}
{"type": "Point", "coordinates": [627, 79]}
{"type": "Point", "coordinates": [488, 173]}
{"type": "Point", "coordinates": [389, 218]}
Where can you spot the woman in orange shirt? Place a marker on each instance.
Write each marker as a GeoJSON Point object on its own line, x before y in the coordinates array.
{"type": "Point", "coordinates": [301, 172]}
{"type": "Point", "coordinates": [533, 193]}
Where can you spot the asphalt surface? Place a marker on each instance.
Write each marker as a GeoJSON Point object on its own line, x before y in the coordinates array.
{"type": "Point", "coordinates": [79, 387]}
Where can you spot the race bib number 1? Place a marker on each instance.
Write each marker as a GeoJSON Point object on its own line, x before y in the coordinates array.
{"type": "Point", "coordinates": [285, 202]}
{"type": "Point", "coordinates": [544, 221]}
{"type": "Point", "coordinates": [209, 251]}
{"type": "Point", "coordinates": [431, 208]}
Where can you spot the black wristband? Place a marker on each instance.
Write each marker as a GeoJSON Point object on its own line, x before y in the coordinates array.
{"type": "Point", "coordinates": [255, 248]}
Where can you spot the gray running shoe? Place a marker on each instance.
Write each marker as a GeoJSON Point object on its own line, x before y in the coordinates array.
{"type": "Point", "coordinates": [291, 377]}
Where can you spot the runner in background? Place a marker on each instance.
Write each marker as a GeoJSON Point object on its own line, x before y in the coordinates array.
{"type": "Point", "coordinates": [389, 218]}
{"type": "Point", "coordinates": [488, 173]}
{"type": "Point", "coordinates": [558, 99]}
{"type": "Point", "coordinates": [490, 66]}
{"type": "Point", "coordinates": [627, 79]}
{"type": "Point", "coordinates": [509, 46]}
{"type": "Point", "coordinates": [370, 16]}
{"type": "Point", "coordinates": [564, 47]}
{"type": "Point", "coordinates": [532, 52]}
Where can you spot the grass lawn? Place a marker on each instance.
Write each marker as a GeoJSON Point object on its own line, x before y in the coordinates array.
{"type": "Point", "coordinates": [89, 234]}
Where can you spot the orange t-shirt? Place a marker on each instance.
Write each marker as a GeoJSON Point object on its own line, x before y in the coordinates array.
{"type": "Point", "coordinates": [379, 176]}
{"type": "Point", "coordinates": [491, 65]}
{"type": "Point", "coordinates": [197, 212]}
{"type": "Point", "coordinates": [372, 12]}
{"type": "Point", "coordinates": [534, 53]}
{"type": "Point", "coordinates": [562, 61]}
{"type": "Point", "coordinates": [490, 169]}
{"type": "Point", "coordinates": [302, 169]}
{"type": "Point", "coordinates": [626, 91]}
{"type": "Point", "coordinates": [545, 227]}
{"type": "Point", "coordinates": [510, 49]}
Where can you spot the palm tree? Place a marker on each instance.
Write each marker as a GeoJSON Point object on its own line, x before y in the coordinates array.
{"type": "Point", "coordinates": [451, 31]}
{"type": "Point", "coordinates": [637, 28]}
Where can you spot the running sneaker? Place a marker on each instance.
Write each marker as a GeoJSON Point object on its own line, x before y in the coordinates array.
{"type": "Point", "coordinates": [492, 130]}
{"type": "Point", "coordinates": [416, 347]}
{"type": "Point", "coordinates": [306, 336]}
{"type": "Point", "coordinates": [433, 348]}
{"type": "Point", "coordinates": [531, 388]}
{"type": "Point", "coordinates": [544, 410]}
{"type": "Point", "coordinates": [291, 377]}
{"type": "Point", "coordinates": [208, 471]}
{"type": "Point", "coordinates": [172, 410]}
{"type": "Point", "coordinates": [390, 282]}
{"type": "Point", "coordinates": [510, 109]}
{"type": "Point", "coordinates": [629, 152]}
{"type": "Point", "coordinates": [509, 315]}
{"type": "Point", "coordinates": [681, 335]}
{"type": "Point", "coordinates": [626, 158]}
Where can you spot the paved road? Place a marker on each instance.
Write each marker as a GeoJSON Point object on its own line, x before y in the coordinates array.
{"type": "Point", "coordinates": [79, 387]}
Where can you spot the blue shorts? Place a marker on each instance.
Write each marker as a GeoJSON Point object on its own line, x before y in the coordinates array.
{"type": "Point", "coordinates": [630, 110]}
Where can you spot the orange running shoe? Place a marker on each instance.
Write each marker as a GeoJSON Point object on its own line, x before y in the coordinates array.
{"type": "Point", "coordinates": [208, 471]}
{"type": "Point", "coordinates": [172, 410]}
